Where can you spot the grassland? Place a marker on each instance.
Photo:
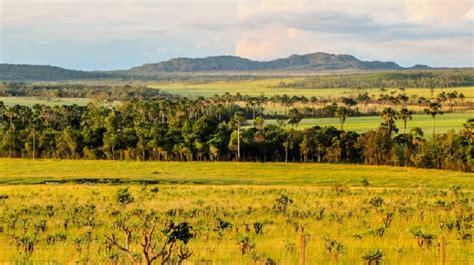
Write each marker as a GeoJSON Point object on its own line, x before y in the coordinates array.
{"type": "Point", "coordinates": [270, 87]}
{"type": "Point", "coordinates": [25, 171]}
{"type": "Point", "coordinates": [330, 201]}
{"type": "Point", "coordinates": [448, 121]}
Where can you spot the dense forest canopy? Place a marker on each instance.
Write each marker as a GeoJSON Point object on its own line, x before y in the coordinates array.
{"type": "Point", "coordinates": [432, 78]}
{"type": "Point", "coordinates": [198, 129]}
{"type": "Point", "coordinates": [100, 92]}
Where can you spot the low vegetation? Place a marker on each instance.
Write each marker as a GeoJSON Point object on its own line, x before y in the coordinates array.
{"type": "Point", "coordinates": [244, 224]}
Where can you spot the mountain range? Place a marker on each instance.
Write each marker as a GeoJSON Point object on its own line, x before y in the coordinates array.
{"type": "Point", "coordinates": [313, 62]}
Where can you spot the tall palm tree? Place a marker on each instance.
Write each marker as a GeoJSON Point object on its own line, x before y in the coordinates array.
{"type": "Point", "coordinates": [341, 113]}
{"type": "Point", "coordinates": [10, 113]}
{"type": "Point", "coordinates": [389, 116]}
{"type": "Point", "coordinates": [238, 120]}
{"type": "Point", "coordinates": [313, 101]}
{"type": "Point", "coordinates": [433, 111]}
{"type": "Point", "coordinates": [405, 115]}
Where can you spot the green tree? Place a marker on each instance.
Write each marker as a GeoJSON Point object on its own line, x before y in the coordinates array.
{"type": "Point", "coordinates": [389, 116]}
{"type": "Point", "coordinates": [434, 110]}
{"type": "Point", "coordinates": [341, 113]}
{"type": "Point", "coordinates": [237, 121]}
{"type": "Point", "coordinates": [405, 115]}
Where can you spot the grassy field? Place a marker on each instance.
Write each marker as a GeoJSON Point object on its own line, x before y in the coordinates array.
{"type": "Point", "coordinates": [448, 121]}
{"type": "Point", "coordinates": [269, 87]}
{"type": "Point", "coordinates": [24, 171]}
{"type": "Point", "coordinates": [344, 218]}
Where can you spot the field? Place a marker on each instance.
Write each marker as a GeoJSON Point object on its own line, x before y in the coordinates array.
{"type": "Point", "coordinates": [64, 209]}
{"type": "Point", "coordinates": [448, 121]}
{"type": "Point", "coordinates": [269, 87]}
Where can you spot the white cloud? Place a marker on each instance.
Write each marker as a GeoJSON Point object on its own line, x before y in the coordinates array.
{"type": "Point", "coordinates": [438, 11]}
{"type": "Point", "coordinates": [397, 30]}
{"type": "Point", "coordinates": [439, 32]}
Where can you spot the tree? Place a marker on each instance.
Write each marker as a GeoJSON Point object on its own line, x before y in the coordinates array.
{"type": "Point", "coordinates": [305, 148]}
{"type": "Point", "coordinates": [10, 113]}
{"type": "Point", "coordinates": [294, 117]}
{"type": "Point", "coordinates": [155, 243]}
{"type": "Point", "coordinates": [313, 101]}
{"type": "Point", "coordinates": [341, 113]}
{"type": "Point", "coordinates": [389, 116]}
{"type": "Point", "coordinates": [237, 121]}
{"type": "Point", "coordinates": [288, 142]}
{"type": "Point", "coordinates": [405, 115]}
{"type": "Point", "coordinates": [433, 111]}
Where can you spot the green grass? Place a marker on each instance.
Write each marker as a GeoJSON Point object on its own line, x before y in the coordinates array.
{"type": "Point", "coordinates": [24, 171]}
{"type": "Point", "coordinates": [448, 121]}
{"type": "Point", "coordinates": [269, 87]}
{"type": "Point", "coordinates": [241, 194]}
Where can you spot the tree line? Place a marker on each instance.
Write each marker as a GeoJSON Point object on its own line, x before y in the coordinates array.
{"type": "Point", "coordinates": [397, 79]}
{"type": "Point", "coordinates": [97, 92]}
{"type": "Point", "coordinates": [183, 129]}
{"type": "Point", "coordinates": [362, 104]}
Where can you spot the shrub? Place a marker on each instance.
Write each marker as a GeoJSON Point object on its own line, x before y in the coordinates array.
{"type": "Point", "coordinates": [373, 257]}
{"type": "Point", "coordinates": [123, 196]}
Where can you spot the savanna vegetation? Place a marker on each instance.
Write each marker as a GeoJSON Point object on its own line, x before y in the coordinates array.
{"type": "Point", "coordinates": [214, 129]}
{"type": "Point", "coordinates": [232, 213]}
{"type": "Point", "coordinates": [101, 178]}
{"type": "Point", "coordinates": [399, 79]}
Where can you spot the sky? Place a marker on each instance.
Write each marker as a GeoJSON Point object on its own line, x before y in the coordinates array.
{"type": "Point", "coordinates": [119, 34]}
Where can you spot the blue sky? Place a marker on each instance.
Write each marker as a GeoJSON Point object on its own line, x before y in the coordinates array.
{"type": "Point", "coordinates": [119, 34]}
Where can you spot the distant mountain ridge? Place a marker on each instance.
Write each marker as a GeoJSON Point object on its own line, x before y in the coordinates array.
{"type": "Point", "coordinates": [313, 62]}
{"type": "Point", "coordinates": [28, 72]}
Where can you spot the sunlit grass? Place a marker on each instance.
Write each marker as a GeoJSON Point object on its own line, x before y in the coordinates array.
{"type": "Point", "coordinates": [24, 171]}
{"type": "Point", "coordinates": [448, 121]}
{"type": "Point", "coordinates": [270, 87]}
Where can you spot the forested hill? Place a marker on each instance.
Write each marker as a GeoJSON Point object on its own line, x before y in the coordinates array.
{"type": "Point", "coordinates": [313, 62]}
{"type": "Point", "coordinates": [27, 72]}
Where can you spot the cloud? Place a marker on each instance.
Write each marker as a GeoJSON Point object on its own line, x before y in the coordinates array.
{"type": "Point", "coordinates": [430, 31]}
{"type": "Point", "coordinates": [396, 31]}
{"type": "Point", "coordinates": [438, 11]}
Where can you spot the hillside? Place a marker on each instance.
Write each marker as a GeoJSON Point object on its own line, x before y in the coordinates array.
{"type": "Point", "coordinates": [27, 72]}
{"type": "Point", "coordinates": [179, 67]}
{"type": "Point", "coordinates": [314, 61]}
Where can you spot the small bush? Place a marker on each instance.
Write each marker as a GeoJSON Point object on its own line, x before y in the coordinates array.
{"type": "Point", "coordinates": [123, 196]}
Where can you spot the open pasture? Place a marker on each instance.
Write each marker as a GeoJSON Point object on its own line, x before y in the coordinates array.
{"type": "Point", "coordinates": [270, 87]}
{"type": "Point", "coordinates": [448, 121]}
{"type": "Point", "coordinates": [240, 213]}
{"type": "Point", "coordinates": [26, 171]}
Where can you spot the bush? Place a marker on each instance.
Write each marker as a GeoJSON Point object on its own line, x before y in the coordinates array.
{"type": "Point", "coordinates": [373, 257]}
{"type": "Point", "coordinates": [123, 196]}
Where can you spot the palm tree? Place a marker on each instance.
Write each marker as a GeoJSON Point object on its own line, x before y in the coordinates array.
{"type": "Point", "coordinates": [405, 115]}
{"type": "Point", "coordinates": [433, 110]}
{"type": "Point", "coordinates": [294, 117]}
{"type": "Point", "coordinates": [10, 114]}
{"type": "Point", "coordinates": [313, 101]}
{"type": "Point", "coordinates": [238, 120]}
{"type": "Point", "coordinates": [341, 113]}
{"type": "Point", "coordinates": [389, 116]}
